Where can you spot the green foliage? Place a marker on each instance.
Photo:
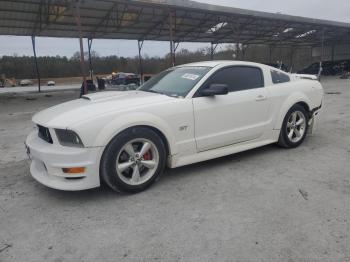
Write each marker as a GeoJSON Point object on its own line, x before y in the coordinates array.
{"type": "Point", "coordinates": [56, 66]}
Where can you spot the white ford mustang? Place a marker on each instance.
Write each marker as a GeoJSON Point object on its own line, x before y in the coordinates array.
{"type": "Point", "coordinates": [186, 114]}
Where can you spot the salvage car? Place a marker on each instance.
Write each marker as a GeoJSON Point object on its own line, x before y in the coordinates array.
{"type": "Point", "coordinates": [51, 83]}
{"type": "Point", "coordinates": [186, 114]}
{"type": "Point", "coordinates": [329, 68]}
{"type": "Point", "coordinates": [25, 82]}
{"type": "Point", "coordinates": [125, 79]}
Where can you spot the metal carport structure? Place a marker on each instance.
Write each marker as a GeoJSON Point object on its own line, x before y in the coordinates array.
{"type": "Point", "coordinates": [163, 20]}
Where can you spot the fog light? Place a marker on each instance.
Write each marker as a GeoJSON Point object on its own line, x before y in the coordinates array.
{"type": "Point", "coordinates": [73, 170]}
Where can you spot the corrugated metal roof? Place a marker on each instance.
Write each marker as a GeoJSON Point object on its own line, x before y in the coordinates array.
{"type": "Point", "coordinates": [150, 20]}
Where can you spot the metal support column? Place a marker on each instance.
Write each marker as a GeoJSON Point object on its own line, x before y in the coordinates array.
{"type": "Point", "coordinates": [172, 53]}
{"type": "Point", "coordinates": [291, 61]}
{"type": "Point", "coordinates": [244, 50]}
{"type": "Point", "coordinates": [311, 54]}
{"type": "Point", "coordinates": [36, 64]}
{"type": "Point", "coordinates": [82, 60]}
{"type": "Point", "coordinates": [212, 49]}
{"type": "Point", "coordinates": [281, 55]}
{"type": "Point", "coordinates": [238, 52]}
{"type": "Point", "coordinates": [333, 52]}
{"type": "Point", "coordinates": [91, 72]}
{"type": "Point", "coordinates": [270, 54]}
{"type": "Point", "coordinates": [176, 45]}
{"type": "Point", "coordinates": [322, 57]}
{"type": "Point", "coordinates": [140, 45]}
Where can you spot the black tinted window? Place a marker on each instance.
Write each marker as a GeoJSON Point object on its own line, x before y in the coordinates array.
{"type": "Point", "coordinates": [279, 77]}
{"type": "Point", "coordinates": [238, 78]}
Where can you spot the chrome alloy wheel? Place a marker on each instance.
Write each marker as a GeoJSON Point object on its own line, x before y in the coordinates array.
{"type": "Point", "coordinates": [296, 126]}
{"type": "Point", "coordinates": [137, 161]}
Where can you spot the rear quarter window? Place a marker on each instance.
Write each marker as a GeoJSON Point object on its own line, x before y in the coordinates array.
{"type": "Point", "coordinates": [279, 77]}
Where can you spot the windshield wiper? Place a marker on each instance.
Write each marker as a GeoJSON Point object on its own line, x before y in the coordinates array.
{"type": "Point", "coordinates": [161, 93]}
{"type": "Point", "coordinates": [155, 92]}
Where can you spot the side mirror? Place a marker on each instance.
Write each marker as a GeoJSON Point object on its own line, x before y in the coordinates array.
{"type": "Point", "coordinates": [215, 90]}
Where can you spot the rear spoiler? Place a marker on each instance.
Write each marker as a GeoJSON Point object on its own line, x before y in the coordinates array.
{"type": "Point", "coordinates": [304, 76]}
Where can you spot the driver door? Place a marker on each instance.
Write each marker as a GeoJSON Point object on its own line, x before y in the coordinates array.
{"type": "Point", "coordinates": [241, 115]}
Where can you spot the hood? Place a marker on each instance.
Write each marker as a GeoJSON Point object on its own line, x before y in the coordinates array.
{"type": "Point", "coordinates": [94, 105]}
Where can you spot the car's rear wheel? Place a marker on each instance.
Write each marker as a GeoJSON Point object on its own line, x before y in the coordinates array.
{"type": "Point", "coordinates": [133, 160]}
{"type": "Point", "coordinates": [294, 127]}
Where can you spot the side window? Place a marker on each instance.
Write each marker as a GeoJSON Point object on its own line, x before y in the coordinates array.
{"type": "Point", "coordinates": [238, 78]}
{"type": "Point", "coordinates": [279, 77]}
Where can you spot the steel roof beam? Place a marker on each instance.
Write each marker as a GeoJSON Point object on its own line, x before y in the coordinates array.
{"type": "Point", "coordinates": [110, 19]}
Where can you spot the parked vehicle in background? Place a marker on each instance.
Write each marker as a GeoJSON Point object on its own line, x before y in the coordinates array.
{"type": "Point", "coordinates": [329, 68]}
{"type": "Point", "coordinates": [314, 68]}
{"type": "Point", "coordinates": [125, 79]}
{"type": "Point", "coordinates": [51, 83]}
{"type": "Point", "coordinates": [345, 75]}
{"type": "Point", "coordinates": [344, 69]}
{"type": "Point", "coordinates": [89, 84]}
{"type": "Point", "coordinates": [25, 82]}
{"type": "Point", "coordinates": [101, 83]}
{"type": "Point", "coordinates": [186, 114]}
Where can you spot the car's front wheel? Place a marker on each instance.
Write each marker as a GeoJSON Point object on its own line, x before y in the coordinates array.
{"type": "Point", "coordinates": [294, 127]}
{"type": "Point", "coordinates": [133, 160]}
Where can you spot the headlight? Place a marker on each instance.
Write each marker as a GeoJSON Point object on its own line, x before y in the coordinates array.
{"type": "Point", "coordinates": [68, 138]}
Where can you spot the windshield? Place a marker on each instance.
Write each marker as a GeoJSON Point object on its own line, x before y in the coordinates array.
{"type": "Point", "coordinates": [176, 82]}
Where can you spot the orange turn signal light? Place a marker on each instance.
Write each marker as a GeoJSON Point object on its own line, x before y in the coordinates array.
{"type": "Point", "coordinates": [73, 170]}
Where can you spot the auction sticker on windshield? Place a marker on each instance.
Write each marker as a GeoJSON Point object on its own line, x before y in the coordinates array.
{"type": "Point", "coordinates": [190, 76]}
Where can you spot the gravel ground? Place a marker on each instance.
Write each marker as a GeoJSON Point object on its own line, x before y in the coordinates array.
{"type": "Point", "coordinates": [267, 204]}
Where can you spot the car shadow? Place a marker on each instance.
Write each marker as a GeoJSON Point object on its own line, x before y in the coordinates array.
{"type": "Point", "coordinates": [197, 168]}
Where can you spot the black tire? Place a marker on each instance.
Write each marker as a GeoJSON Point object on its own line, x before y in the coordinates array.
{"type": "Point", "coordinates": [284, 140]}
{"type": "Point", "coordinates": [108, 172]}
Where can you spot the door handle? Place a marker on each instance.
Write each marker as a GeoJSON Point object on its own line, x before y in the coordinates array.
{"type": "Point", "coordinates": [260, 98]}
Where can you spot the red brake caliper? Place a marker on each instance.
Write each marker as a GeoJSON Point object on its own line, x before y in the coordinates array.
{"type": "Point", "coordinates": [147, 155]}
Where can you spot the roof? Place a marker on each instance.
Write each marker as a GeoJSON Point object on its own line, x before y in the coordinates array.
{"type": "Point", "coordinates": [150, 20]}
{"type": "Point", "coordinates": [215, 63]}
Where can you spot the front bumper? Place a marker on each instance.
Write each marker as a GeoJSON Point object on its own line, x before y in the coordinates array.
{"type": "Point", "coordinates": [49, 159]}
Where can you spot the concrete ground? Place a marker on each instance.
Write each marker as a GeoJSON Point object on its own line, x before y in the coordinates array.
{"type": "Point", "coordinates": [267, 204]}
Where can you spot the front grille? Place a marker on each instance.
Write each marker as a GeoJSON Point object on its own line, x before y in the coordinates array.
{"type": "Point", "coordinates": [44, 133]}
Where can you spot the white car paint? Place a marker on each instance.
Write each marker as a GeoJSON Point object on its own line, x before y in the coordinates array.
{"type": "Point", "coordinates": [51, 83]}
{"type": "Point", "coordinates": [25, 82]}
{"type": "Point", "coordinates": [195, 128]}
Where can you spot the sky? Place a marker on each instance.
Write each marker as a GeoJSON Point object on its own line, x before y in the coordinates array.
{"type": "Point", "coordinates": [337, 10]}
